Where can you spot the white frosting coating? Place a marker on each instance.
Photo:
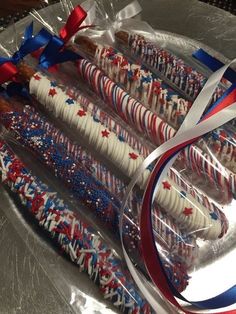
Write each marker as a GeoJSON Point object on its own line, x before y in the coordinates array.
{"type": "Point", "coordinates": [190, 214]}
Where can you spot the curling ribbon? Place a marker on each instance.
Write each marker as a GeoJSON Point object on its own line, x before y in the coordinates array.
{"type": "Point", "coordinates": [222, 112]}
{"type": "Point", "coordinates": [55, 52]}
{"type": "Point", "coordinates": [30, 44]}
{"type": "Point", "coordinates": [214, 64]}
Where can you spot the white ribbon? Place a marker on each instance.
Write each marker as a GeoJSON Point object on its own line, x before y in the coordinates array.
{"type": "Point", "coordinates": [188, 130]}
{"type": "Point", "coordinates": [130, 11]}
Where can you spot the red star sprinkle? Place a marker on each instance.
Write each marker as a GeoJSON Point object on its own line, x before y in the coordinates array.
{"type": "Point", "coordinates": [52, 92]}
{"type": "Point", "coordinates": [81, 113]}
{"type": "Point", "coordinates": [124, 63]}
{"type": "Point", "coordinates": [178, 113]}
{"type": "Point", "coordinates": [166, 185]}
{"type": "Point", "coordinates": [37, 77]}
{"type": "Point", "coordinates": [223, 134]}
{"type": "Point", "coordinates": [188, 211]}
{"type": "Point", "coordinates": [105, 133]}
{"type": "Point", "coordinates": [133, 156]}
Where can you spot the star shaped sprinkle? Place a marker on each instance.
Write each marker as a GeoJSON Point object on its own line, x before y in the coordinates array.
{"type": "Point", "coordinates": [182, 194]}
{"type": "Point", "coordinates": [215, 135]}
{"type": "Point", "coordinates": [105, 133]}
{"type": "Point", "coordinates": [70, 101]}
{"type": "Point", "coordinates": [37, 77]}
{"type": "Point", "coordinates": [53, 84]}
{"type": "Point", "coordinates": [121, 138]}
{"type": "Point", "coordinates": [81, 113]}
{"type": "Point", "coordinates": [96, 119]}
{"type": "Point", "coordinates": [166, 185]}
{"type": "Point", "coordinates": [133, 156]}
{"type": "Point", "coordinates": [214, 216]}
{"type": "Point", "coordinates": [223, 135]}
{"type": "Point", "coordinates": [52, 92]}
{"type": "Point", "coordinates": [188, 211]}
{"type": "Point", "coordinates": [178, 113]}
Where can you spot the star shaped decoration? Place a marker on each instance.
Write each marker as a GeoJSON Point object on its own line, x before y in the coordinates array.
{"type": "Point", "coordinates": [223, 135]}
{"type": "Point", "coordinates": [187, 211]}
{"type": "Point", "coordinates": [121, 138]}
{"type": "Point", "coordinates": [182, 194]}
{"type": "Point", "coordinates": [105, 133]}
{"type": "Point", "coordinates": [37, 77]}
{"type": "Point", "coordinates": [124, 63]}
{"type": "Point", "coordinates": [70, 101]}
{"type": "Point", "coordinates": [215, 135]}
{"type": "Point", "coordinates": [96, 119]}
{"type": "Point", "coordinates": [178, 113]}
{"type": "Point", "coordinates": [133, 156]}
{"type": "Point", "coordinates": [53, 84]}
{"type": "Point", "coordinates": [166, 185]}
{"type": "Point", "coordinates": [214, 216]}
{"type": "Point", "coordinates": [81, 113]}
{"type": "Point", "coordinates": [52, 92]}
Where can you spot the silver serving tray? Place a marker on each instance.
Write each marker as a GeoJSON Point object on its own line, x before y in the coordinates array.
{"type": "Point", "coordinates": [34, 277]}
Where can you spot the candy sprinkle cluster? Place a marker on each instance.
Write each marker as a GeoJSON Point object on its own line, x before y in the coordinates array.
{"type": "Point", "coordinates": [76, 238]}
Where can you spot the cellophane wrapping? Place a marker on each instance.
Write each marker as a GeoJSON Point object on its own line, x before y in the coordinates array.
{"type": "Point", "coordinates": [90, 124]}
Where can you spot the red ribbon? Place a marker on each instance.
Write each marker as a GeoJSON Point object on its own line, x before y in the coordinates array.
{"type": "Point", "coordinates": [76, 18]}
{"type": "Point", "coordinates": [8, 70]}
{"type": "Point", "coordinates": [148, 245]}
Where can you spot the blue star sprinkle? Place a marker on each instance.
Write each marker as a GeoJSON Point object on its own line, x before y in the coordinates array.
{"type": "Point", "coordinates": [96, 119]}
{"type": "Point", "coordinates": [121, 138]}
{"type": "Point", "coordinates": [53, 84]}
{"type": "Point", "coordinates": [182, 194]}
{"type": "Point", "coordinates": [214, 216]}
{"type": "Point", "coordinates": [70, 101]}
{"type": "Point", "coordinates": [215, 135]}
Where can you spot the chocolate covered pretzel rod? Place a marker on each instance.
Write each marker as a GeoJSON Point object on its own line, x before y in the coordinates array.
{"type": "Point", "coordinates": [158, 130]}
{"type": "Point", "coordinates": [75, 237]}
{"type": "Point", "coordinates": [145, 86]}
{"type": "Point", "coordinates": [189, 214]}
{"type": "Point", "coordinates": [138, 81]}
{"type": "Point", "coordinates": [189, 80]}
{"type": "Point", "coordinates": [67, 161]}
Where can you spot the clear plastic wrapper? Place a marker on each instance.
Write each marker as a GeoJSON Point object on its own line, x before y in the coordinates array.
{"type": "Point", "coordinates": [192, 211]}
{"type": "Point", "coordinates": [170, 112]}
{"type": "Point", "coordinates": [71, 233]}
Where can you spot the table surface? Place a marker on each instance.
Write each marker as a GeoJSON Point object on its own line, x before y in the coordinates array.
{"type": "Point", "coordinates": [29, 266]}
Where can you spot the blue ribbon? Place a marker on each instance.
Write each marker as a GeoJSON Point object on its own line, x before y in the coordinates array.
{"type": "Point", "coordinates": [17, 89]}
{"type": "Point", "coordinates": [55, 53]}
{"type": "Point", "coordinates": [29, 44]}
{"type": "Point", "coordinates": [214, 64]}
{"type": "Point", "coordinates": [227, 297]}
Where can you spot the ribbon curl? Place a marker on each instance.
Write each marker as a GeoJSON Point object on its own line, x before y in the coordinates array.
{"type": "Point", "coordinates": [55, 52]}
{"type": "Point", "coordinates": [29, 45]}
{"type": "Point", "coordinates": [222, 112]}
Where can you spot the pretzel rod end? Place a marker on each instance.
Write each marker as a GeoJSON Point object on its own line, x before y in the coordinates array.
{"type": "Point", "coordinates": [86, 44]}
{"type": "Point", "coordinates": [122, 36]}
{"type": "Point", "coordinates": [5, 106]}
{"type": "Point", "coordinates": [25, 72]}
